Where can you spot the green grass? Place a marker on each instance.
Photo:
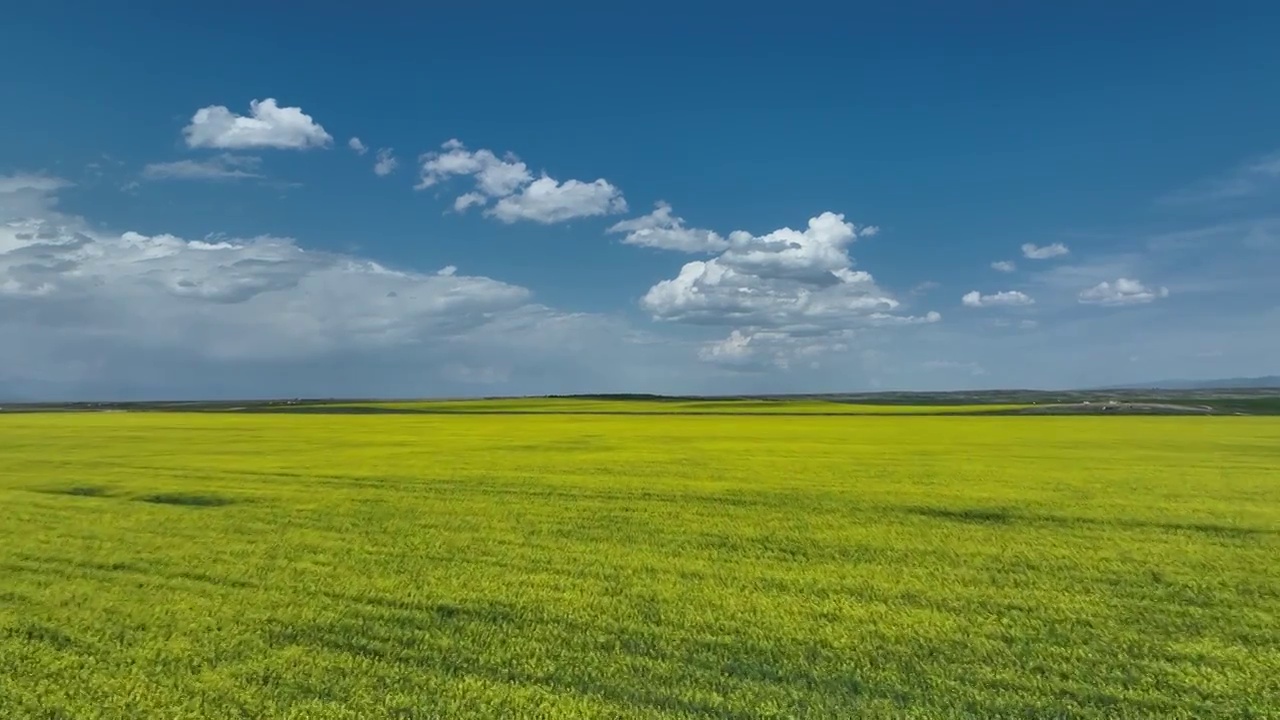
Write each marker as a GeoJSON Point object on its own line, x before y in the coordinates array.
{"type": "Point", "coordinates": [578, 566]}
{"type": "Point", "coordinates": [562, 406]}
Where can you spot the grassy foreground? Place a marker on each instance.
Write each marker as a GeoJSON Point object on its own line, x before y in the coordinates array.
{"type": "Point", "coordinates": [456, 566]}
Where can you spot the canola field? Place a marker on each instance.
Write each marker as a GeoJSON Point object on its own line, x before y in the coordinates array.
{"type": "Point", "coordinates": [170, 565]}
{"type": "Point", "coordinates": [578, 406]}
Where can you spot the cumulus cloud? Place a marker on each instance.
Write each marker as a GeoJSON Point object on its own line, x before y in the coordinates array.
{"type": "Point", "coordinates": [1123, 291]}
{"type": "Point", "coordinates": [1004, 266]}
{"type": "Point", "coordinates": [547, 201]}
{"type": "Point", "coordinates": [386, 163]}
{"type": "Point", "coordinates": [358, 146]}
{"type": "Point", "coordinates": [1006, 298]}
{"type": "Point", "coordinates": [1032, 251]}
{"type": "Point", "coordinates": [519, 196]}
{"type": "Point", "coordinates": [267, 126]}
{"type": "Point", "coordinates": [661, 229]}
{"type": "Point", "coordinates": [219, 167]}
{"type": "Point", "coordinates": [790, 289]}
{"type": "Point", "coordinates": [494, 176]}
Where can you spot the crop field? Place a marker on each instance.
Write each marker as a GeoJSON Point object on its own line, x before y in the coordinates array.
{"type": "Point", "coordinates": [224, 565]}
{"type": "Point", "coordinates": [572, 406]}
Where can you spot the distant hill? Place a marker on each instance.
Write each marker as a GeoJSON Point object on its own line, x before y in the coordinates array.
{"type": "Point", "coordinates": [1269, 381]}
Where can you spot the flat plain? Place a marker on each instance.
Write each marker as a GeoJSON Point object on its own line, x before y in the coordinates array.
{"type": "Point", "coordinates": [222, 565]}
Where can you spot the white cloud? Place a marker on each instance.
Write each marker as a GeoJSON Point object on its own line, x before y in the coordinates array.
{"type": "Point", "coordinates": [661, 229]}
{"type": "Point", "coordinates": [1006, 298]}
{"type": "Point", "coordinates": [1121, 292]}
{"type": "Point", "coordinates": [883, 319]}
{"type": "Point", "coordinates": [1035, 252]}
{"type": "Point", "coordinates": [734, 350]}
{"type": "Point", "coordinates": [219, 167]}
{"type": "Point", "coordinates": [547, 201]}
{"type": "Point", "coordinates": [502, 178]}
{"type": "Point", "coordinates": [817, 255]}
{"type": "Point", "coordinates": [355, 144]}
{"type": "Point", "coordinates": [467, 200]}
{"type": "Point", "coordinates": [267, 126]}
{"type": "Point", "coordinates": [790, 290]}
{"type": "Point", "coordinates": [494, 176]}
{"type": "Point", "coordinates": [1004, 266]}
{"type": "Point", "coordinates": [520, 196]}
{"type": "Point", "coordinates": [386, 163]}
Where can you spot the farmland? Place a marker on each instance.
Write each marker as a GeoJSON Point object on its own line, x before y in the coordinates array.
{"type": "Point", "coordinates": [675, 565]}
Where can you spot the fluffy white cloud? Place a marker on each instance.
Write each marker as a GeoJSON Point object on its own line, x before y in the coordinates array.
{"type": "Point", "coordinates": [520, 196]}
{"type": "Point", "coordinates": [1121, 292]}
{"type": "Point", "coordinates": [546, 201]}
{"type": "Point", "coordinates": [267, 126]}
{"type": "Point", "coordinates": [386, 163]}
{"type": "Point", "coordinates": [494, 176]}
{"type": "Point", "coordinates": [790, 290]}
{"type": "Point", "coordinates": [220, 167]}
{"type": "Point", "coordinates": [1045, 252]}
{"type": "Point", "coordinates": [818, 255]}
{"type": "Point", "coordinates": [355, 144]}
{"type": "Point", "coordinates": [1004, 266]}
{"type": "Point", "coordinates": [661, 229]}
{"type": "Point", "coordinates": [1006, 298]}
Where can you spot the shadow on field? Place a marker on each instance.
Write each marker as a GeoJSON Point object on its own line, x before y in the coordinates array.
{"type": "Point", "coordinates": [35, 632]}
{"type": "Point", "coordinates": [78, 491]}
{"type": "Point", "coordinates": [187, 499]}
{"type": "Point", "coordinates": [977, 516]}
{"type": "Point", "coordinates": [1004, 516]}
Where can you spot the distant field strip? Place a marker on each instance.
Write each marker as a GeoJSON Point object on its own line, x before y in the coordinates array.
{"type": "Point", "coordinates": [224, 565]}
{"type": "Point", "coordinates": [568, 406]}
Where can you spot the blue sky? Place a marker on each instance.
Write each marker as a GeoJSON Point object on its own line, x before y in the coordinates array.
{"type": "Point", "coordinates": [184, 212]}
